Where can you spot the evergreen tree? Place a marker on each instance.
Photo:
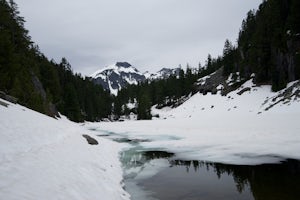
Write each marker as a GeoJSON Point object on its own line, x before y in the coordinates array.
{"type": "Point", "coordinates": [208, 62]}
{"type": "Point", "coordinates": [228, 57]}
{"type": "Point", "coordinates": [71, 104]}
{"type": "Point", "coordinates": [144, 107]}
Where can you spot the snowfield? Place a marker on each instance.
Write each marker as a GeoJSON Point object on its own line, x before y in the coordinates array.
{"type": "Point", "coordinates": [45, 158]}
{"type": "Point", "coordinates": [232, 129]}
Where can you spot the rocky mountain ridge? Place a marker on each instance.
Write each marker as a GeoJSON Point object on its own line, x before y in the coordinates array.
{"type": "Point", "coordinates": [115, 77]}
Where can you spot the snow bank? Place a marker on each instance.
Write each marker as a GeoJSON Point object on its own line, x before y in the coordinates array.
{"type": "Point", "coordinates": [44, 158]}
{"type": "Point", "coordinates": [233, 129]}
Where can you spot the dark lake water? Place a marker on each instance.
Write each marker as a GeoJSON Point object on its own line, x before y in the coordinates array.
{"type": "Point", "coordinates": [156, 174]}
{"type": "Point", "coordinates": [198, 180]}
{"type": "Point", "coordinates": [193, 180]}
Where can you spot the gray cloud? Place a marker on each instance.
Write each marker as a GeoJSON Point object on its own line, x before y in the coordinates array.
{"type": "Point", "coordinates": [148, 33]}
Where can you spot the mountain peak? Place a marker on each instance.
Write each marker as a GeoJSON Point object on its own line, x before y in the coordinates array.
{"type": "Point", "coordinates": [117, 76]}
{"type": "Point", "coordinates": [123, 64]}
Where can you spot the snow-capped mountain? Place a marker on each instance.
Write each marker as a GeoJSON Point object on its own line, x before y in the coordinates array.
{"type": "Point", "coordinates": [115, 77]}
{"type": "Point", "coordinates": [162, 74]}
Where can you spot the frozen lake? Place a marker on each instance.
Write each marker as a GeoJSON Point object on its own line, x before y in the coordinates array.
{"type": "Point", "coordinates": [153, 173]}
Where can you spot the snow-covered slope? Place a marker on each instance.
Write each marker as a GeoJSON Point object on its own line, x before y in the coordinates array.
{"type": "Point", "coordinates": [247, 99]}
{"type": "Point", "coordinates": [45, 158]}
{"type": "Point", "coordinates": [239, 128]}
{"type": "Point", "coordinates": [117, 76]}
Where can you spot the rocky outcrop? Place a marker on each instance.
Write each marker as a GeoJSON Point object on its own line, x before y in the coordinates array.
{"type": "Point", "coordinates": [209, 84]}
{"type": "Point", "coordinates": [90, 140]}
{"type": "Point", "coordinates": [2, 103]}
{"type": "Point", "coordinates": [217, 82]}
{"type": "Point", "coordinates": [123, 64]}
{"type": "Point", "coordinates": [290, 94]}
{"type": "Point", "coordinates": [50, 109]}
{"type": "Point", "coordinates": [7, 97]}
{"type": "Point", "coordinates": [244, 90]}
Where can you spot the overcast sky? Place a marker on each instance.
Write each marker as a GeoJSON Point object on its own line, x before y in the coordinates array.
{"type": "Point", "coordinates": [149, 34]}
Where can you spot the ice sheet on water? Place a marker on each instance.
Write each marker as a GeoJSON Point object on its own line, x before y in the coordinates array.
{"type": "Point", "coordinates": [232, 132]}
{"type": "Point", "coordinates": [234, 158]}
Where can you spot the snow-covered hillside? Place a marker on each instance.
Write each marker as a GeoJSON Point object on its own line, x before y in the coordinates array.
{"type": "Point", "coordinates": [239, 128]}
{"type": "Point", "coordinates": [45, 158]}
{"type": "Point", "coordinates": [248, 99]}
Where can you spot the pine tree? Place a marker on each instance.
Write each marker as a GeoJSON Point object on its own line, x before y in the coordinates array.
{"type": "Point", "coordinates": [144, 107]}
{"type": "Point", "coordinates": [208, 62]}
{"type": "Point", "coordinates": [228, 57]}
{"type": "Point", "coordinates": [71, 104]}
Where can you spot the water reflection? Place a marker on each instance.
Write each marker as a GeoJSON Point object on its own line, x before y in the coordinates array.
{"type": "Point", "coordinates": [267, 182]}
{"type": "Point", "coordinates": [157, 154]}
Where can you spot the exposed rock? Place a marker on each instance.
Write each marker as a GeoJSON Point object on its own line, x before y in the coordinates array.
{"type": "Point", "coordinates": [90, 140]}
{"type": "Point", "coordinates": [211, 82]}
{"type": "Point", "coordinates": [217, 82]}
{"type": "Point", "coordinates": [287, 95]}
{"type": "Point", "coordinates": [173, 103]}
{"type": "Point", "coordinates": [244, 90]}
{"type": "Point", "coordinates": [38, 86]}
{"type": "Point", "coordinates": [8, 97]}
{"type": "Point", "coordinates": [3, 104]}
{"type": "Point", "coordinates": [123, 64]}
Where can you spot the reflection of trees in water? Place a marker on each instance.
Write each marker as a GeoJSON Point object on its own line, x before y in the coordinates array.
{"type": "Point", "coordinates": [150, 155]}
{"type": "Point", "coordinates": [267, 182]}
